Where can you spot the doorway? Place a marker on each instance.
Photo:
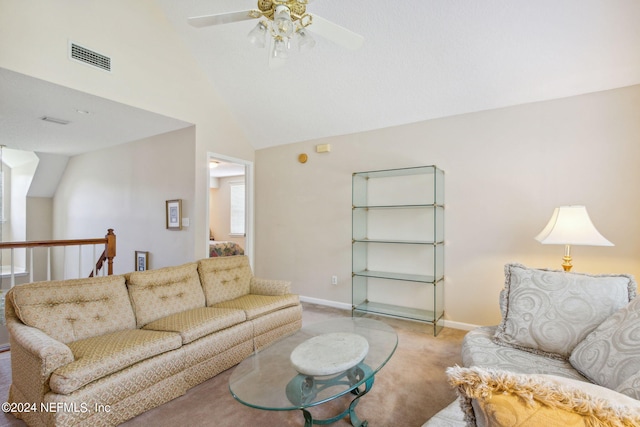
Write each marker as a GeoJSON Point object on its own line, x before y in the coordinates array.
{"type": "Point", "coordinates": [230, 206]}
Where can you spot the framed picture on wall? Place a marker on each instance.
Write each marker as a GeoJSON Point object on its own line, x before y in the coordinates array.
{"type": "Point", "coordinates": [142, 260]}
{"type": "Point", "coordinates": [174, 214]}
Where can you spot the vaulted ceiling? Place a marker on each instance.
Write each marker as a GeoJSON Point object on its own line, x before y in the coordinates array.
{"type": "Point", "coordinates": [421, 59]}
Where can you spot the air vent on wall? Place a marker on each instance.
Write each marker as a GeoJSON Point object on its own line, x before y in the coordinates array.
{"type": "Point", "coordinates": [89, 57]}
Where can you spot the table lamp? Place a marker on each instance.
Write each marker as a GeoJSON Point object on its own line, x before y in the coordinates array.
{"type": "Point", "coordinates": [571, 225]}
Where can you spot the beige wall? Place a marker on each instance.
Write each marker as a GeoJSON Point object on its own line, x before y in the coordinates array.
{"type": "Point", "coordinates": [40, 227]}
{"type": "Point", "coordinates": [505, 172]}
{"type": "Point", "coordinates": [126, 189]}
{"type": "Point", "coordinates": [152, 70]}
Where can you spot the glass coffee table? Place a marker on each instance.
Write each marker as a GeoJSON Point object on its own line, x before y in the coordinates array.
{"type": "Point", "coordinates": [317, 364]}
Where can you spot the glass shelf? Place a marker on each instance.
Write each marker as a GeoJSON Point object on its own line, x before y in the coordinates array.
{"type": "Point", "coordinates": [421, 278]}
{"type": "Point", "coordinates": [398, 244]}
{"type": "Point", "coordinates": [404, 206]}
{"type": "Point", "coordinates": [401, 312]}
{"type": "Point", "coordinates": [402, 242]}
{"type": "Point", "coordinates": [387, 173]}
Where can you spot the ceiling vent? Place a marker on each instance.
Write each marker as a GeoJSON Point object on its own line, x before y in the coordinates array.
{"type": "Point", "coordinates": [89, 57]}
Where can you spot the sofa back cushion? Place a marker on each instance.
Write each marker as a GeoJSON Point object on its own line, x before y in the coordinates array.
{"type": "Point", "coordinates": [70, 310]}
{"type": "Point", "coordinates": [225, 278]}
{"type": "Point", "coordinates": [165, 291]}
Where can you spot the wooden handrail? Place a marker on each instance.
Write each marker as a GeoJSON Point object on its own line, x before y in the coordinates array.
{"type": "Point", "coordinates": [49, 243]}
{"type": "Point", "coordinates": [109, 240]}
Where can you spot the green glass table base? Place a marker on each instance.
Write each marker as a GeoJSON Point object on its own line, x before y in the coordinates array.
{"type": "Point", "coordinates": [303, 389]}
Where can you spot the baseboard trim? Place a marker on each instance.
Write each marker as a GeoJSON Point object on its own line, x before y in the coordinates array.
{"type": "Point", "coordinates": [328, 303]}
{"type": "Point", "coordinates": [459, 325]}
{"type": "Point", "coordinates": [344, 306]}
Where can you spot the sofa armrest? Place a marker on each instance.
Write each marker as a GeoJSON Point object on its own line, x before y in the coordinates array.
{"type": "Point", "coordinates": [269, 287]}
{"type": "Point", "coordinates": [50, 353]}
{"type": "Point", "coordinates": [34, 356]}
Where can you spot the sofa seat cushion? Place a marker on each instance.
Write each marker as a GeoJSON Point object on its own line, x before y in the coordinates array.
{"type": "Point", "coordinates": [159, 293]}
{"type": "Point", "coordinates": [500, 398]}
{"type": "Point", "coordinates": [479, 349]}
{"type": "Point", "coordinates": [71, 310]}
{"type": "Point", "coordinates": [97, 357]}
{"type": "Point", "coordinates": [198, 322]}
{"type": "Point", "coordinates": [549, 312]}
{"type": "Point", "coordinates": [258, 305]}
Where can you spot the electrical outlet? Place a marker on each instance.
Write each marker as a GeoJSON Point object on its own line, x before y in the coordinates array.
{"type": "Point", "coordinates": [334, 280]}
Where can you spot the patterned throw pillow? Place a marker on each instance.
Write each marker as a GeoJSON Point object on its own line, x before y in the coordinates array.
{"type": "Point", "coordinates": [549, 312]}
{"type": "Point", "coordinates": [610, 355]}
{"type": "Point", "coordinates": [502, 398]}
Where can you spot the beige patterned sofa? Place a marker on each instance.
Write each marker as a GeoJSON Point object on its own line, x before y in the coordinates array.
{"type": "Point", "coordinates": [566, 353]}
{"type": "Point", "coordinates": [100, 351]}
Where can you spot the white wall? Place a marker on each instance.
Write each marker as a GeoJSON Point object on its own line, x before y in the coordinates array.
{"type": "Point", "coordinates": [21, 177]}
{"type": "Point", "coordinates": [505, 172]}
{"type": "Point", "coordinates": [152, 70]}
{"type": "Point", "coordinates": [40, 227]}
{"type": "Point", "coordinates": [126, 188]}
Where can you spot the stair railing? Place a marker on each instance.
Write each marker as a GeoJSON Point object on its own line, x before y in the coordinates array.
{"type": "Point", "coordinates": [109, 253]}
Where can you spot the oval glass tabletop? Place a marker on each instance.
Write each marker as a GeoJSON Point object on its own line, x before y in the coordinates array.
{"type": "Point", "coordinates": [268, 379]}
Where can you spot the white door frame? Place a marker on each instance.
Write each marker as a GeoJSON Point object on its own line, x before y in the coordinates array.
{"type": "Point", "coordinates": [249, 200]}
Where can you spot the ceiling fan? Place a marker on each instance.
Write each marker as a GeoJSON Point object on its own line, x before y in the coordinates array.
{"type": "Point", "coordinates": [287, 22]}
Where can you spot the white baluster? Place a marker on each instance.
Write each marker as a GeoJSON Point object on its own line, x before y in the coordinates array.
{"type": "Point", "coordinates": [13, 274]}
{"type": "Point", "coordinates": [30, 264]}
{"type": "Point", "coordinates": [93, 263]}
{"type": "Point", "coordinates": [49, 263]}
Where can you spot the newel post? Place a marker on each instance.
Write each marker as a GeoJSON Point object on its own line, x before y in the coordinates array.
{"type": "Point", "coordinates": [110, 250]}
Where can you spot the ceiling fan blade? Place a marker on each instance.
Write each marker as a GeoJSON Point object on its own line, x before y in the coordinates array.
{"type": "Point", "coordinates": [221, 18]}
{"type": "Point", "coordinates": [335, 33]}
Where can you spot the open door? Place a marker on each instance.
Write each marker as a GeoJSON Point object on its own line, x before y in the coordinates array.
{"type": "Point", "coordinates": [230, 207]}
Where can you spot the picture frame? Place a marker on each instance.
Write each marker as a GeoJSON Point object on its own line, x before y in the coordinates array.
{"type": "Point", "coordinates": [142, 261]}
{"type": "Point", "coordinates": [174, 214]}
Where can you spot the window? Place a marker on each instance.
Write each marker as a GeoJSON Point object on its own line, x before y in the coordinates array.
{"type": "Point", "coordinates": [236, 190]}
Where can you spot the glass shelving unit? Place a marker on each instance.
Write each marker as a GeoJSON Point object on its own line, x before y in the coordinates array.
{"type": "Point", "coordinates": [398, 244]}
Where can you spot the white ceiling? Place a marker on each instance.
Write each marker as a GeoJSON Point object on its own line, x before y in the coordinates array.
{"type": "Point", "coordinates": [421, 59]}
{"type": "Point", "coordinates": [225, 169]}
{"type": "Point", "coordinates": [94, 123]}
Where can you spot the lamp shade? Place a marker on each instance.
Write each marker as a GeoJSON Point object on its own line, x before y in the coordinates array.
{"type": "Point", "coordinates": [571, 225]}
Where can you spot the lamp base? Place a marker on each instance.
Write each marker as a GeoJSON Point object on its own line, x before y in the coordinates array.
{"type": "Point", "coordinates": [567, 258]}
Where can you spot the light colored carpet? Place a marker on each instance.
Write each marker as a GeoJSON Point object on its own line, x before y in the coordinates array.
{"type": "Point", "coordinates": [409, 390]}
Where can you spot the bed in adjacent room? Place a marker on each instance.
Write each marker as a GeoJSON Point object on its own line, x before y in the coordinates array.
{"type": "Point", "coordinates": [219, 248]}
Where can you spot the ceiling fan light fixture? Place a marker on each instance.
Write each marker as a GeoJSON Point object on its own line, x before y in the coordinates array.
{"type": "Point", "coordinates": [283, 26]}
{"type": "Point", "coordinates": [280, 48]}
{"type": "Point", "coordinates": [305, 41]}
{"type": "Point", "coordinates": [286, 22]}
{"type": "Point", "coordinates": [258, 36]}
